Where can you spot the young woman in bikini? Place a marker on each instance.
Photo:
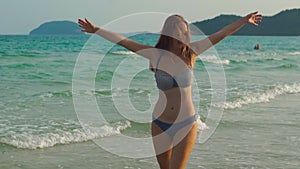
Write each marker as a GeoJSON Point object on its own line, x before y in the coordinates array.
{"type": "Point", "coordinates": [174, 126]}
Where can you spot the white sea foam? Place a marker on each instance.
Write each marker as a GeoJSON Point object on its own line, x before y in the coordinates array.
{"type": "Point", "coordinates": [294, 53]}
{"type": "Point", "coordinates": [278, 58]}
{"type": "Point", "coordinates": [201, 125]}
{"type": "Point", "coordinates": [241, 61]}
{"type": "Point", "coordinates": [28, 140]}
{"type": "Point", "coordinates": [214, 59]}
{"type": "Point", "coordinates": [262, 97]}
{"type": "Point", "coordinates": [123, 53]}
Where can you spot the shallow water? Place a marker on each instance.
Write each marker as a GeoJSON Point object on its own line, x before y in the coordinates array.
{"type": "Point", "coordinates": [39, 126]}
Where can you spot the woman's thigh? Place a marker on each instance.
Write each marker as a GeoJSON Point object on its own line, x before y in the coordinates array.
{"type": "Point", "coordinates": [183, 142]}
{"type": "Point", "coordinates": [162, 145]}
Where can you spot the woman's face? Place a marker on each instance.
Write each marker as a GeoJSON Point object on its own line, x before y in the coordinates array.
{"type": "Point", "coordinates": [181, 33]}
{"type": "Point", "coordinates": [176, 28]}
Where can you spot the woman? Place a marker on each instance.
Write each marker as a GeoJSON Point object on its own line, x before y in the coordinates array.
{"type": "Point", "coordinates": [174, 126]}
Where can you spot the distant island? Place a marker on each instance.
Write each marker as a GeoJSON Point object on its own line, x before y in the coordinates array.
{"type": "Point", "coordinates": [58, 28]}
{"type": "Point", "coordinates": [285, 23]}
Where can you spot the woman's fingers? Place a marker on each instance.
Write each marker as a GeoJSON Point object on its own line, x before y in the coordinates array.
{"type": "Point", "coordinates": [80, 21]}
{"type": "Point", "coordinates": [253, 13]}
{"type": "Point", "coordinates": [253, 22]}
{"type": "Point", "coordinates": [254, 18]}
{"type": "Point", "coordinates": [87, 21]}
{"type": "Point", "coordinates": [86, 25]}
{"type": "Point", "coordinates": [82, 26]}
{"type": "Point", "coordinates": [83, 22]}
{"type": "Point", "coordinates": [258, 18]}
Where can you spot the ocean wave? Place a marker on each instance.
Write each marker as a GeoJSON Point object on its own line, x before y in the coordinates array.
{"type": "Point", "coordinates": [121, 91]}
{"type": "Point", "coordinates": [109, 92]}
{"type": "Point", "coordinates": [104, 92]}
{"type": "Point", "coordinates": [20, 65]}
{"type": "Point", "coordinates": [238, 61]}
{"type": "Point", "coordinates": [5, 54]}
{"type": "Point", "coordinates": [260, 60]}
{"type": "Point", "coordinates": [293, 53]}
{"type": "Point", "coordinates": [201, 125]}
{"type": "Point", "coordinates": [123, 53]}
{"type": "Point", "coordinates": [104, 75]}
{"type": "Point", "coordinates": [66, 93]}
{"type": "Point", "coordinates": [287, 66]}
{"type": "Point", "coordinates": [29, 140]}
{"type": "Point", "coordinates": [262, 97]}
{"type": "Point", "coordinates": [214, 59]}
{"type": "Point", "coordinates": [23, 136]}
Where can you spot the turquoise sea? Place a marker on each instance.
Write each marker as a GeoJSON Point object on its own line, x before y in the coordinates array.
{"type": "Point", "coordinates": [39, 127]}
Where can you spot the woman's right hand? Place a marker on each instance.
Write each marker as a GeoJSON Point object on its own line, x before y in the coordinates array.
{"type": "Point", "coordinates": [254, 18]}
{"type": "Point", "coordinates": [87, 26]}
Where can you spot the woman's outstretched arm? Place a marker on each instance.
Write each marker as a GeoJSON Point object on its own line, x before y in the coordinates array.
{"type": "Point", "coordinates": [202, 45]}
{"type": "Point", "coordinates": [116, 38]}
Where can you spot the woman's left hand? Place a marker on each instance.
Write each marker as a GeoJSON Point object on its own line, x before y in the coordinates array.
{"type": "Point", "coordinates": [254, 18]}
{"type": "Point", "coordinates": [87, 26]}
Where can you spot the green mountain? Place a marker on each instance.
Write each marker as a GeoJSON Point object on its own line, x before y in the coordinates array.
{"type": "Point", "coordinates": [285, 23]}
{"type": "Point", "coordinates": [58, 28]}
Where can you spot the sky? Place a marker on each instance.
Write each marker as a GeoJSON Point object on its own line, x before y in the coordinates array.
{"type": "Point", "coordinates": [22, 16]}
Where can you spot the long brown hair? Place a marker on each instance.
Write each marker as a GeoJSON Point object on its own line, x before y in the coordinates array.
{"type": "Point", "coordinates": [166, 40]}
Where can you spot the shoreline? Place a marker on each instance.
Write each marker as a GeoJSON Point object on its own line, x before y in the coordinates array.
{"type": "Point", "coordinates": [87, 153]}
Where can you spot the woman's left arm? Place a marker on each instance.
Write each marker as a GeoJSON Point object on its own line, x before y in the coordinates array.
{"type": "Point", "coordinates": [202, 45]}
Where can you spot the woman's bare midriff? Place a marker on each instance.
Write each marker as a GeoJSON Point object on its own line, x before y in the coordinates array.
{"type": "Point", "coordinates": [174, 105]}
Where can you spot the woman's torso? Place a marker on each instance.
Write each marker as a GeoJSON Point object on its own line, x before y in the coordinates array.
{"type": "Point", "coordinates": [174, 103]}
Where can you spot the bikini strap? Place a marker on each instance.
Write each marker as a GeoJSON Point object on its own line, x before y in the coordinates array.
{"type": "Point", "coordinates": [158, 60]}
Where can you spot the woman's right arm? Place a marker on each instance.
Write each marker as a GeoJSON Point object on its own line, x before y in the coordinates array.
{"type": "Point", "coordinates": [115, 38]}
{"type": "Point", "coordinates": [202, 45]}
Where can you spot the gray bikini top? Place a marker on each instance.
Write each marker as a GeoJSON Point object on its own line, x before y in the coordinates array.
{"type": "Point", "coordinates": [165, 81]}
